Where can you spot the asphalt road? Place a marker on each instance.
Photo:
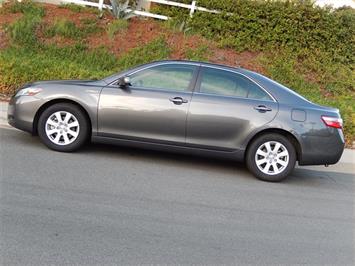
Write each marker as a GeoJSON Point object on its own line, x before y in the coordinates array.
{"type": "Point", "coordinates": [113, 205]}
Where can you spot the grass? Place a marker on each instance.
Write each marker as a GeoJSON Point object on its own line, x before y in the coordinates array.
{"type": "Point", "coordinates": [25, 7]}
{"type": "Point", "coordinates": [21, 32]}
{"type": "Point", "coordinates": [158, 49]}
{"type": "Point", "coordinates": [80, 9]}
{"type": "Point", "coordinates": [117, 26]}
{"type": "Point", "coordinates": [201, 53]}
{"type": "Point", "coordinates": [67, 28]}
{"type": "Point", "coordinates": [23, 64]}
{"type": "Point", "coordinates": [63, 27]}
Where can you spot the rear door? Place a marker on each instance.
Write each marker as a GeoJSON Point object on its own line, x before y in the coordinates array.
{"type": "Point", "coordinates": [225, 108]}
{"type": "Point", "coordinates": [154, 108]}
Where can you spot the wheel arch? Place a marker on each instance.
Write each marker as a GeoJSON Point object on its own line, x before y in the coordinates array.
{"type": "Point", "coordinates": [291, 137]}
{"type": "Point", "coordinates": [56, 101]}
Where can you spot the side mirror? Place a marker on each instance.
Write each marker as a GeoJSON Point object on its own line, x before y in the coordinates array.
{"type": "Point", "coordinates": [124, 81]}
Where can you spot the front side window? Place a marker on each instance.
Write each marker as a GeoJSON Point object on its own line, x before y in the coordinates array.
{"type": "Point", "coordinates": [175, 77]}
{"type": "Point", "coordinates": [226, 83]}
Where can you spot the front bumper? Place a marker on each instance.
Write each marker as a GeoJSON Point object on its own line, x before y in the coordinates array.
{"type": "Point", "coordinates": [21, 112]}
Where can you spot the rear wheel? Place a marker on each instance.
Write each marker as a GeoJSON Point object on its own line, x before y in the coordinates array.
{"type": "Point", "coordinates": [271, 157]}
{"type": "Point", "coordinates": [63, 127]}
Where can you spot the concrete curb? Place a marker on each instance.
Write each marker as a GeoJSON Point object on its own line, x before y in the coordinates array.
{"type": "Point", "coordinates": [348, 155]}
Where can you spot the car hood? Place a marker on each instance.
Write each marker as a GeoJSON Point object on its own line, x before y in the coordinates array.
{"type": "Point", "coordinates": [66, 82]}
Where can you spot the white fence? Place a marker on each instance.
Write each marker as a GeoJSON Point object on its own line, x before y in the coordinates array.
{"type": "Point", "coordinates": [100, 5]}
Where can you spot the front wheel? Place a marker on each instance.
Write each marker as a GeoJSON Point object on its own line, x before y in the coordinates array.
{"type": "Point", "coordinates": [63, 127]}
{"type": "Point", "coordinates": [271, 157]}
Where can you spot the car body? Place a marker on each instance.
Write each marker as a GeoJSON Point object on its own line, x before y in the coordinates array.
{"type": "Point", "coordinates": [186, 106]}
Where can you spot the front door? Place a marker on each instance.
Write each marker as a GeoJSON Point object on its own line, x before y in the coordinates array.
{"type": "Point", "coordinates": [153, 108]}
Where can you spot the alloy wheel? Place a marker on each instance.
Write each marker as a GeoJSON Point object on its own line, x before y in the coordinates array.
{"type": "Point", "coordinates": [272, 158]}
{"type": "Point", "coordinates": [62, 128]}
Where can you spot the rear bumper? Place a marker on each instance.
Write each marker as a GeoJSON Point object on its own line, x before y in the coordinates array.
{"type": "Point", "coordinates": [21, 112]}
{"type": "Point", "coordinates": [323, 148]}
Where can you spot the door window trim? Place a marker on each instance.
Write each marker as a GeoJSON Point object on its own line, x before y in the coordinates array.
{"type": "Point", "coordinates": [199, 81]}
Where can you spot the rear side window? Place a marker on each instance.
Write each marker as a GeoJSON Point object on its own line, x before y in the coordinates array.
{"type": "Point", "coordinates": [226, 83]}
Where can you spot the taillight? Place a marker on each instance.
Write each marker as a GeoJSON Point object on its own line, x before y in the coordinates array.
{"type": "Point", "coordinates": [333, 121]}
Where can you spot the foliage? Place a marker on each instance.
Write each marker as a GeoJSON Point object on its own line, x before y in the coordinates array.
{"type": "Point", "coordinates": [117, 26]}
{"type": "Point", "coordinates": [120, 9]}
{"type": "Point", "coordinates": [265, 25]}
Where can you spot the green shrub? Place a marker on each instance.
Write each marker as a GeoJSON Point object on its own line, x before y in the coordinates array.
{"type": "Point", "coordinates": [201, 53]}
{"type": "Point", "coordinates": [117, 26]}
{"type": "Point", "coordinates": [264, 25]}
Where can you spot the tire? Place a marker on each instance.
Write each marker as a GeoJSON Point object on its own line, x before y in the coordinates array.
{"type": "Point", "coordinates": [63, 127]}
{"type": "Point", "coordinates": [264, 161]}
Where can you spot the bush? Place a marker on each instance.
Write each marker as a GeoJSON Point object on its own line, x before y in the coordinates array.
{"type": "Point", "coordinates": [264, 25]}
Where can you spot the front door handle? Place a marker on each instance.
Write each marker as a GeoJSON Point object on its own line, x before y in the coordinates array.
{"type": "Point", "coordinates": [262, 108]}
{"type": "Point", "coordinates": [178, 100]}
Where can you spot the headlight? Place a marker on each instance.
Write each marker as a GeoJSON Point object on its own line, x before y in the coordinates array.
{"type": "Point", "coordinates": [28, 91]}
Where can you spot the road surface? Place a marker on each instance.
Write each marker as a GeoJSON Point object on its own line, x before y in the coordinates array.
{"type": "Point", "coordinates": [109, 205]}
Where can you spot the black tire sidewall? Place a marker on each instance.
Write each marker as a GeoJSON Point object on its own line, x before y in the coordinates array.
{"type": "Point", "coordinates": [250, 157]}
{"type": "Point", "coordinates": [83, 124]}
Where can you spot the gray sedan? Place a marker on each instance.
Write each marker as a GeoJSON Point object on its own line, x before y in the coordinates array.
{"type": "Point", "coordinates": [185, 106]}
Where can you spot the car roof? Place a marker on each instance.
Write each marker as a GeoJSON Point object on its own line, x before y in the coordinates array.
{"type": "Point", "coordinates": [199, 63]}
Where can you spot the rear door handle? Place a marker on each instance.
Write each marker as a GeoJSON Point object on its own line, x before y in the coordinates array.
{"type": "Point", "coordinates": [178, 100]}
{"type": "Point", "coordinates": [262, 108]}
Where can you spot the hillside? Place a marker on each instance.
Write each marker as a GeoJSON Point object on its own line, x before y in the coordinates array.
{"type": "Point", "coordinates": [39, 42]}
